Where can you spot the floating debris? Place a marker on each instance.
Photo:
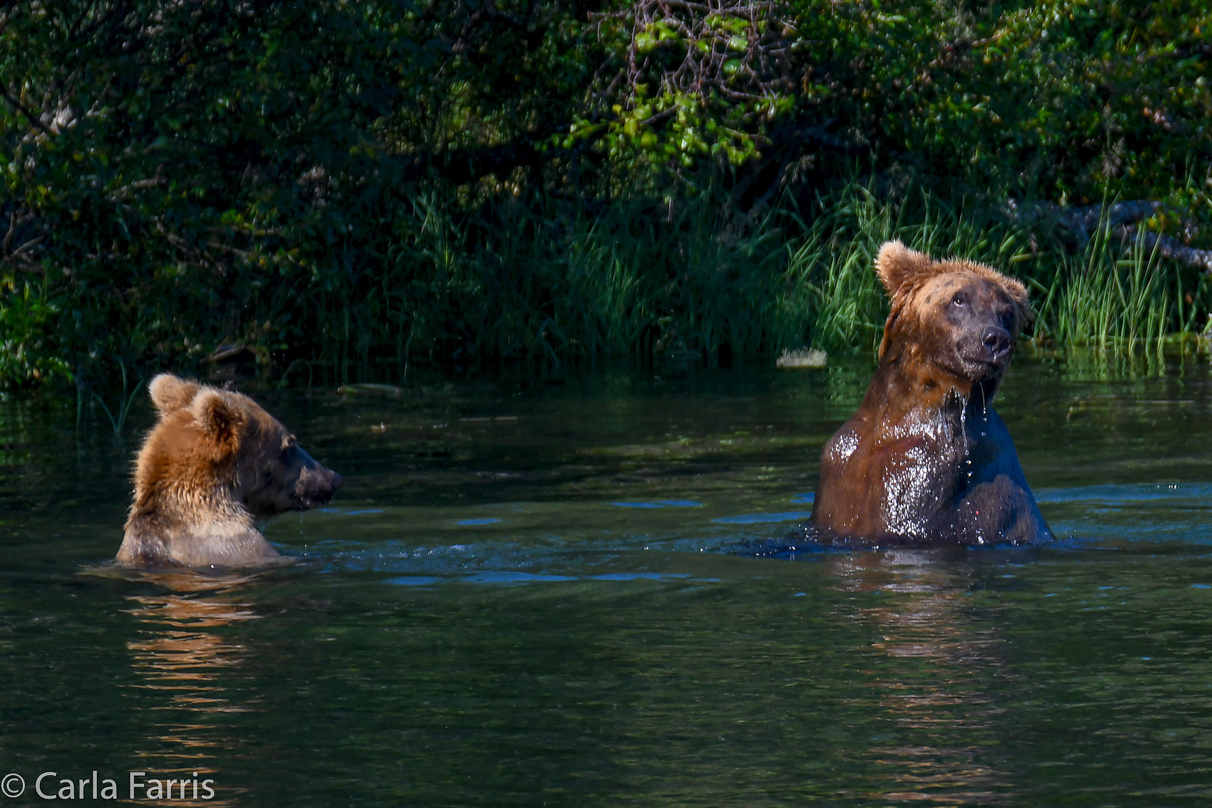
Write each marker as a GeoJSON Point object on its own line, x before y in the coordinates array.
{"type": "Point", "coordinates": [382, 389]}
{"type": "Point", "coordinates": [228, 351]}
{"type": "Point", "coordinates": [803, 358]}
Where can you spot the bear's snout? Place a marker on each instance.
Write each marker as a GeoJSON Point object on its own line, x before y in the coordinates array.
{"type": "Point", "coordinates": [984, 352]}
{"type": "Point", "coordinates": [331, 484]}
{"type": "Point", "coordinates": [997, 342]}
{"type": "Point", "coordinates": [317, 486]}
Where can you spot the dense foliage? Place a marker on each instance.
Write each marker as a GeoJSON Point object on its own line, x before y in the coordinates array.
{"type": "Point", "coordinates": [486, 181]}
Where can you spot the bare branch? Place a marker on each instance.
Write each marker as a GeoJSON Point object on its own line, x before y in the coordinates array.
{"type": "Point", "coordinates": [30, 116]}
{"type": "Point", "coordinates": [1121, 219]}
{"type": "Point", "coordinates": [1171, 248]}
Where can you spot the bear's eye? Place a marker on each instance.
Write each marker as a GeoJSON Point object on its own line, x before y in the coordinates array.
{"type": "Point", "coordinates": [960, 300]}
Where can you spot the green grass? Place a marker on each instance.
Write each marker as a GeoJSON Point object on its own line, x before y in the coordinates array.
{"type": "Point", "coordinates": [548, 283]}
{"type": "Point", "coordinates": [1110, 298]}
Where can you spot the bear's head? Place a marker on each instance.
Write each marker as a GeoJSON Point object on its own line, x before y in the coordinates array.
{"type": "Point", "coordinates": [208, 437]}
{"type": "Point", "coordinates": [961, 317]}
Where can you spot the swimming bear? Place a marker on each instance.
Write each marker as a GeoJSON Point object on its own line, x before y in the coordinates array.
{"type": "Point", "coordinates": [926, 460]}
{"type": "Point", "coordinates": [212, 473]}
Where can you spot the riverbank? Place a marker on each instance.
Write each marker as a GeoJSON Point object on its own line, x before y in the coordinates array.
{"type": "Point", "coordinates": [546, 284]}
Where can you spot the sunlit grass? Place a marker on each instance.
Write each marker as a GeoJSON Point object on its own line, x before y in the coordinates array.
{"type": "Point", "coordinates": [1109, 298]}
{"type": "Point", "coordinates": [553, 282]}
{"type": "Point", "coordinates": [543, 282]}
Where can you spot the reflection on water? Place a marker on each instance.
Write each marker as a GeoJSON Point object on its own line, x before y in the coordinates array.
{"type": "Point", "coordinates": [931, 691]}
{"type": "Point", "coordinates": [184, 661]}
{"type": "Point", "coordinates": [520, 599]}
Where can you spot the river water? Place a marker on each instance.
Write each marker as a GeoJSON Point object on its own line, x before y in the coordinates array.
{"type": "Point", "coordinates": [529, 597]}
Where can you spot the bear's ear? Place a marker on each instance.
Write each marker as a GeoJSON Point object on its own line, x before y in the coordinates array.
{"type": "Point", "coordinates": [1018, 293]}
{"type": "Point", "coordinates": [897, 265]}
{"type": "Point", "coordinates": [171, 393]}
{"type": "Point", "coordinates": [220, 417]}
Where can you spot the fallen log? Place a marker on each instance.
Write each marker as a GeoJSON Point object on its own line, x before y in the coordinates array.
{"type": "Point", "coordinates": [1122, 220]}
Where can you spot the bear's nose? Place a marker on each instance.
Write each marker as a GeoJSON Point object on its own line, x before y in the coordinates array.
{"type": "Point", "coordinates": [336, 481]}
{"type": "Point", "coordinates": [997, 341]}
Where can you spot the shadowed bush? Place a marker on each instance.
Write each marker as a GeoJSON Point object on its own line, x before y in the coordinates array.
{"type": "Point", "coordinates": [366, 186]}
{"type": "Point", "coordinates": [550, 283]}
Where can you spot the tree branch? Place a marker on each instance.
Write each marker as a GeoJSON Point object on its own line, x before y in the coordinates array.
{"type": "Point", "coordinates": [32, 118]}
{"type": "Point", "coordinates": [1121, 219]}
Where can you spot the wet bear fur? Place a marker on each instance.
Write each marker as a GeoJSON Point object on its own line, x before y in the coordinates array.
{"type": "Point", "coordinates": [926, 460]}
{"type": "Point", "coordinates": [212, 473]}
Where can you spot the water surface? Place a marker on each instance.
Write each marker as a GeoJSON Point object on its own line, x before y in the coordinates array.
{"type": "Point", "coordinates": [525, 597]}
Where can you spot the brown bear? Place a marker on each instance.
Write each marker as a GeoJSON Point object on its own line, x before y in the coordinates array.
{"type": "Point", "coordinates": [925, 460]}
{"type": "Point", "coordinates": [213, 472]}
